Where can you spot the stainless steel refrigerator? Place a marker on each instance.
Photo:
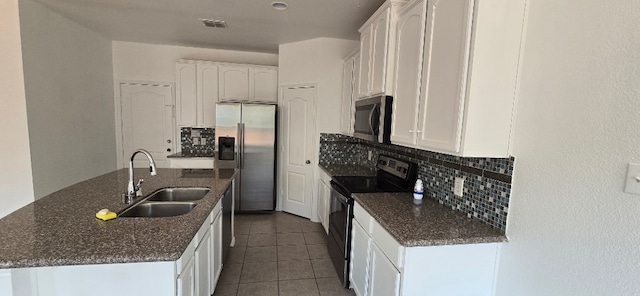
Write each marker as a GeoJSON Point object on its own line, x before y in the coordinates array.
{"type": "Point", "coordinates": [246, 139]}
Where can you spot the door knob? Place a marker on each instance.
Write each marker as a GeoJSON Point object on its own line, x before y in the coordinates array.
{"type": "Point", "coordinates": [168, 149]}
{"type": "Point", "coordinates": [308, 161]}
{"type": "Point", "coordinates": [169, 141]}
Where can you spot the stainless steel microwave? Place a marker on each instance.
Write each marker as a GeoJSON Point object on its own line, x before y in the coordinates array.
{"type": "Point", "coordinates": [372, 120]}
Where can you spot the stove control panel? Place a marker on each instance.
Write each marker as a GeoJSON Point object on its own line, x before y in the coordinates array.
{"type": "Point", "coordinates": [394, 166]}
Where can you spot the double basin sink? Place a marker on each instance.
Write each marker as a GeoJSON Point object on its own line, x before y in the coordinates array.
{"type": "Point", "coordinates": [166, 202]}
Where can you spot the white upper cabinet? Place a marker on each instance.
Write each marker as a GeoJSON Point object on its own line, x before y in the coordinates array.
{"type": "Point", "coordinates": [463, 79]}
{"type": "Point", "coordinates": [409, 46]}
{"type": "Point", "coordinates": [263, 84]}
{"type": "Point", "coordinates": [349, 78]}
{"type": "Point", "coordinates": [248, 83]}
{"type": "Point", "coordinates": [196, 93]}
{"type": "Point", "coordinates": [186, 92]}
{"type": "Point", "coordinates": [207, 94]}
{"type": "Point", "coordinates": [377, 36]}
{"type": "Point", "coordinates": [234, 83]}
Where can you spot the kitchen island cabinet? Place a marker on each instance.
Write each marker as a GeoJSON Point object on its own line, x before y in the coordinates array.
{"type": "Point", "coordinates": [55, 246]}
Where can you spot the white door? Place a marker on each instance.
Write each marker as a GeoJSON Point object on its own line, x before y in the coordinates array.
{"type": "Point", "coordinates": [298, 115]}
{"type": "Point", "coordinates": [186, 94]}
{"type": "Point", "coordinates": [207, 94]}
{"type": "Point", "coordinates": [202, 260]}
{"type": "Point", "coordinates": [346, 125]}
{"type": "Point", "coordinates": [186, 280]}
{"type": "Point", "coordinates": [365, 62]}
{"type": "Point", "coordinates": [359, 264]}
{"type": "Point", "coordinates": [147, 122]}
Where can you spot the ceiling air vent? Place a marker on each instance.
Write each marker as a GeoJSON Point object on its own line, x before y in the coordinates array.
{"type": "Point", "coordinates": [214, 23]}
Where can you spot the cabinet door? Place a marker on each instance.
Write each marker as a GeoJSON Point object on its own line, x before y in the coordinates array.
{"type": "Point", "coordinates": [409, 45]}
{"type": "Point", "coordinates": [359, 265]}
{"type": "Point", "coordinates": [385, 278]}
{"type": "Point", "coordinates": [263, 85]}
{"type": "Point", "coordinates": [216, 250]}
{"type": "Point", "coordinates": [346, 112]}
{"type": "Point", "coordinates": [365, 61]}
{"type": "Point", "coordinates": [444, 76]}
{"type": "Point", "coordinates": [186, 94]}
{"type": "Point", "coordinates": [186, 280]}
{"type": "Point", "coordinates": [202, 259]}
{"type": "Point", "coordinates": [234, 83]}
{"type": "Point", "coordinates": [356, 80]}
{"type": "Point", "coordinates": [207, 94]}
{"type": "Point", "coordinates": [380, 45]}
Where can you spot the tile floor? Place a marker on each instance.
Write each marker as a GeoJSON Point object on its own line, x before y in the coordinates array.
{"type": "Point", "coordinates": [279, 254]}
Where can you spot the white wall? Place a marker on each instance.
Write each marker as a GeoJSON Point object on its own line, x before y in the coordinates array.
{"type": "Point", "coordinates": [157, 63]}
{"type": "Point", "coordinates": [69, 91]}
{"type": "Point", "coordinates": [572, 230]}
{"type": "Point", "coordinates": [318, 61]}
{"type": "Point", "coordinates": [15, 176]}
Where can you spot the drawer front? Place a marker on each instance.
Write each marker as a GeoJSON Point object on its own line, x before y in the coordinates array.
{"type": "Point", "coordinates": [387, 244]}
{"type": "Point", "coordinates": [361, 215]}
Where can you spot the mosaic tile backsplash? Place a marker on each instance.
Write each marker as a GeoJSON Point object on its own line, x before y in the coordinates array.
{"type": "Point", "coordinates": [197, 141]}
{"type": "Point", "coordinates": [487, 185]}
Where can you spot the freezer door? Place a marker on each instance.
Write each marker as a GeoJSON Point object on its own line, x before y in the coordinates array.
{"type": "Point", "coordinates": [257, 160]}
{"type": "Point", "coordinates": [227, 121]}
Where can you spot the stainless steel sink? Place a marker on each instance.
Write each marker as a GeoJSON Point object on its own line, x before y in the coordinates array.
{"type": "Point", "coordinates": [178, 194]}
{"type": "Point", "coordinates": [158, 209]}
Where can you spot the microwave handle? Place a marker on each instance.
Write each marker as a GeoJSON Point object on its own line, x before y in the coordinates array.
{"type": "Point", "coordinates": [373, 111]}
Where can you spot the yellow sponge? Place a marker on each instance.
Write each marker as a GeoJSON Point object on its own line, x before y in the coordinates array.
{"type": "Point", "coordinates": [105, 215]}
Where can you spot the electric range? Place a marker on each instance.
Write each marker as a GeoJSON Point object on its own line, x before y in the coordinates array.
{"type": "Point", "coordinates": [392, 175]}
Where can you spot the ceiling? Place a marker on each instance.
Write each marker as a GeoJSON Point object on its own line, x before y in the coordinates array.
{"type": "Point", "coordinates": [253, 25]}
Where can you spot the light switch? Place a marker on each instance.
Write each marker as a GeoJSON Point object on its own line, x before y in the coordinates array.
{"type": "Point", "coordinates": [632, 184]}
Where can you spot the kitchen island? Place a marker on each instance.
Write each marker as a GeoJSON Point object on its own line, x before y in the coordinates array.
{"type": "Point", "coordinates": [60, 232]}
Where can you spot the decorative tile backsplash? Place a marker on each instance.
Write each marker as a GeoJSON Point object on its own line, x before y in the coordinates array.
{"type": "Point", "coordinates": [197, 141]}
{"type": "Point", "coordinates": [487, 185]}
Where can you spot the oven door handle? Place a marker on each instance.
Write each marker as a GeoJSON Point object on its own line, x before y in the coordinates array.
{"type": "Point", "coordinates": [343, 194]}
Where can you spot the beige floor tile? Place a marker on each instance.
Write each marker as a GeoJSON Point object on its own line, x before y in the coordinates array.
{"type": "Point", "coordinates": [323, 268]}
{"type": "Point", "coordinates": [292, 253]}
{"type": "Point", "coordinates": [313, 238]}
{"type": "Point", "coordinates": [288, 227]}
{"type": "Point", "coordinates": [332, 287]}
{"type": "Point", "coordinates": [261, 240]}
{"type": "Point", "coordinates": [308, 226]}
{"type": "Point", "coordinates": [230, 274]}
{"type": "Point", "coordinates": [262, 228]}
{"type": "Point", "coordinates": [258, 289]}
{"type": "Point", "coordinates": [241, 240]}
{"type": "Point", "coordinates": [261, 254]}
{"type": "Point", "coordinates": [259, 272]}
{"type": "Point", "coordinates": [318, 251]}
{"type": "Point", "coordinates": [236, 254]}
{"type": "Point", "coordinates": [226, 290]}
{"type": "Point", "coordinates": [295, 269]}
{"type": "Point", "coordinates": [284, 239]}
{"type": "Point", "coordinates": [298, 288]}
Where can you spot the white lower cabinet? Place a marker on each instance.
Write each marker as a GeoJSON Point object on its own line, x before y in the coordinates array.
{"type": "Point", "coordinates": [323, 200]}
{"type": "Point", "coordinates": [186, 280]}
{"type": "Point", "coordinates": [191, 162]}
{"type": "Point", "coordinates": [216, 251]}
{"type": "Point", "coordinates": [203, 265]}
{"type": "Point", "coordinates": [380, 266]}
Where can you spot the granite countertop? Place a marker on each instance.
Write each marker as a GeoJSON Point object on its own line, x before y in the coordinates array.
{"type": "Point", "coordinates": [61, 228]}
{"type": "Point", "coordinates": [190, 155]}
{"type": "Point", "coordinates": [430, 224]}
{"type": "Point", "coordinates": [347, 170]}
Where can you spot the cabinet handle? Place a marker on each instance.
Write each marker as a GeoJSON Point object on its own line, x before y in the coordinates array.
{"type": "Point", "coordinates": [168, 149]}
{"type": "Point", "coordinates": [169, 141]}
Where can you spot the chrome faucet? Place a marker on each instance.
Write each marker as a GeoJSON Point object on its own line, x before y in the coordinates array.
{"type": "Point", "coordinates": [134, 190]}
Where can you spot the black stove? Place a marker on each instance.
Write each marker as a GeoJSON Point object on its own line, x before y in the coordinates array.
{"type": "Point", "coordinates": [392, 175]}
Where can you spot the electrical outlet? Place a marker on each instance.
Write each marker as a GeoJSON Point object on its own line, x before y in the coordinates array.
{"type": "Point", "coordinates": [370, 155]}
{"type": "Point", "coordinates": [458, 187]}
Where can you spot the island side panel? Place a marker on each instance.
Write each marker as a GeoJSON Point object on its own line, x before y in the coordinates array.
{"type": "Point", "coordinates": [127, 279]}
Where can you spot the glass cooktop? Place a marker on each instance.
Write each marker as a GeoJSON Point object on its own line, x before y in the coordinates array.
{"type": "Point", "coordinates": [365, 184]}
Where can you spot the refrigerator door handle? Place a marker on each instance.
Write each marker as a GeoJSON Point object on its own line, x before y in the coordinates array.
{"type": "Point", "coordinates": [241, 145]}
